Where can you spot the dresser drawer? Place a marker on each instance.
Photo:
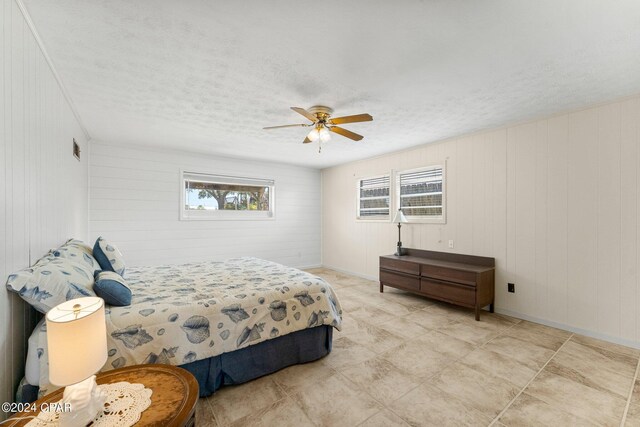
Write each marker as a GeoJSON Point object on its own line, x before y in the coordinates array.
{"type": "Point", "coordinates": [448, 291]}
{"type": "Point", "coordinates": [401, 266]}
{"type": "Point", "coordinates": [449, 274]}
{"type": "Point", "coordinates": [399, 280]}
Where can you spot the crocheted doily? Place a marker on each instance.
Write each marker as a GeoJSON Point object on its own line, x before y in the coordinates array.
{"type": "Point", "coordinates": [123, 408]}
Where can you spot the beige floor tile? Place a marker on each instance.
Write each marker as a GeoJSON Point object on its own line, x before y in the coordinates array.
{"type": "Point", "coordinates": [542, 336]}
{"type": "Point", "coordinates": [283, 413]}
{"type": "Point", "coordinates": [536, 327]}
{"type": "Point", "coordinates": [347, 352]}
{"type": "Point", "coordinates": [416, 302]}
{"type": "Point", "coordinates": [528, 411]}
{"type": "Point", "coordinates": [493, 321]}
{"type": "Point", "coordinates": [369, 287]}
{"type": "Point", "coordinates": [204, 413]}
{"type": "Point", "coordinates": [592, 342]}
{"type": "Point", "coordinates": [471, 331]}
{"type": "Point", "coordinates": [452, 311]}
{"type": "Point", "coordinates": [493, 363]}
{"type": "Point", "coordinates": [487, 393]}
{"type": "Point", "coordinates": [393, 342]}
{"type": "Point", "coordinates": [381, 379]}
{"type": "Point", "coordinates": [595, 367]}
{"type": "Point", "coordinates": [403, 327]}
{"type": "Point", "coordinates": [582, 401]}
{"type": "Point", "coordinates": [394, 307]}
{"type": "Point", "coordinates": [374, 338]}
{"type": "Point", "coordinates": [372, 314]}
{"type": "Point", "coordinates": [430, 406]}
{"type": "Point", "coordinates": [232, 403]}
{"type": "Point", "coordinates": [352, 325]}
{"type": "Point", "coordinates": [350, 304]}
{"type": "Point", "coordinates": [429, 319]}
{"type": "Point", "coordinates": [633, 414]}
{"type": "Point", "coordinates": [297, 377]}
{"type": "Point", "coordinates": [336, 401]}
{"type": "Point", "coordinates": [417, 359]}
{"type": "Point", "coordinates": [532, 355]}
{"type": "Point", "coordinates": [451, 347]}
{"type": "Point", "coordinates": [384, 418]}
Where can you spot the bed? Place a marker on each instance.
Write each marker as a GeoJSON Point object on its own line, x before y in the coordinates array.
{"type": "Point", "coordinates": [226, 322]}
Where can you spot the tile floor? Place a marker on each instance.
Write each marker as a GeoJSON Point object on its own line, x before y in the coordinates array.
{"type": "Point", "coordinates": [403, 360]}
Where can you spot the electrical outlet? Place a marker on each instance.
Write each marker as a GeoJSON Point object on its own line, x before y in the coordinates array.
{"type": "Point", "coordinates": [511, 287]}
{"type": "Point", "coordinates": [451, 244]}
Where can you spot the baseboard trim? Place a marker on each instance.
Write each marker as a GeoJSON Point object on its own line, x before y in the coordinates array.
{"type": "Point", "coordinates": [307, 267]}
{"type": "Point", "coordinates": [586, 332]}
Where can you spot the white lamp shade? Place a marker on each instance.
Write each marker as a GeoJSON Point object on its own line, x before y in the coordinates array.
{"type": "Point", "coordinates": [314, 135]}
{"type": "Point", "coordinates": [324, 135]}
{"type": "Point", "coordinates": [76, 340]}
{"type": "Point", "coordinates": [399, 218]}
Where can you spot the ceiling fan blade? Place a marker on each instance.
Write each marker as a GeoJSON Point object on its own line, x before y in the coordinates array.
{"type": "Point", "coordinates": [305, 113]}
{"type": "Point", "coordinates": [345, 133]}
{"type": "Point", "coordinates": [306, 140]}
{"type": "Point", "coordinates": [351, 119]}
{"type": "Point", "coordinates": [285, 126]}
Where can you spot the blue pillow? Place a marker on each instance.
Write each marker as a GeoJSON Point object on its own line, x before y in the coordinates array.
{"type": "Point", "coordinates": [108, 256]}
{"type": "Point", "coordinates": [112, 288]}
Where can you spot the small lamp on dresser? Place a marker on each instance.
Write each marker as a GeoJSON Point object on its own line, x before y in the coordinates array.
{"type": "Point", "coordinates": [399, 219]}
{"type": "Point", "coordinates": [77, 345]}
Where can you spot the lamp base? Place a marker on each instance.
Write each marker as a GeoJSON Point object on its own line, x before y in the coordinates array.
{"type": "Point", "coordinates": [85, 400]}
{"type": "Point", "coordinates": [399, 251]}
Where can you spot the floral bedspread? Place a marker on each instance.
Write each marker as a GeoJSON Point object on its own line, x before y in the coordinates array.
{"type": "Point", "coordinates": [183, 313]}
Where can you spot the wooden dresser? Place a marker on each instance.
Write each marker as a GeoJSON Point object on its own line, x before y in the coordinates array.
{"type": "Point", "coordinates": [464, 280]}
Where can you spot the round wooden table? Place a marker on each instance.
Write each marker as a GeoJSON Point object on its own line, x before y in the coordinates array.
{"type": "Point", "coordinates": [173, 402]}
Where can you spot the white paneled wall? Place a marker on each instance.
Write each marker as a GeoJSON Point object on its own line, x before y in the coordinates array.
{"type": "Point", "coordinates": [555, 201]}
{"type": "Point", "coordinates": [43, 188]}
{"type": "Point", "coordinates": [134, 202]}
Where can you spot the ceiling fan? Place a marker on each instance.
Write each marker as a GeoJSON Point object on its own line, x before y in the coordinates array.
{"type": "Point", "coordinates": [323, 123]}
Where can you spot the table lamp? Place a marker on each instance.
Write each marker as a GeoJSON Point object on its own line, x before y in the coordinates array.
{"type": "Point", "coordinates": [77, 345]}
{"type": "Point", "coordinates": [399, 219]}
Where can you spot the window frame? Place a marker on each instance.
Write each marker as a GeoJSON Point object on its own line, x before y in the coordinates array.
{"type": "Point", "coordinates": [379, 218]}
{"type": "Point", "coordinates": [221, 214]}
{"type": "Point", "coordinates": [423, 219]}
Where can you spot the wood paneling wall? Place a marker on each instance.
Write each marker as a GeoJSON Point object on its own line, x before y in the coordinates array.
{"type": "Point", "coordinates": [555, 201]}
{"type": "Point", "coordinates": [43, 188]}
{"type": "Point", "coordinates": [135, 200]}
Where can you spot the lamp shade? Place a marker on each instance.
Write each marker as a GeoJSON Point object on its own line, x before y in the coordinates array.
{"type": "Point", "coordinates": [324, 135]}
{"type": "Point", "coordinates": [76, 340]}
{"type": "Point", "coordinates": [314, 135]}
{"type": "Point", "coordinates": [399, 218]}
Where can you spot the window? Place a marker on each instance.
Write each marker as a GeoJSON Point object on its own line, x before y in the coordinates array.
{"type": "Point", "coordinates": [373, 198]}
{"type": "Point", "coordinates": [226, 197]}
{"type": "Point", "coordinates": [421, 194]}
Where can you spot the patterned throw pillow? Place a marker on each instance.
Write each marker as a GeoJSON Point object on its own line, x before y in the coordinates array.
{"type": "Point", "coordinates": [79, 252]}
{"type": "Point", "coordinates": [112, 288]}
{"type": "Point", "coordinates": [108, 256]}
{"type": "Point", "coordinates": [50, 282]}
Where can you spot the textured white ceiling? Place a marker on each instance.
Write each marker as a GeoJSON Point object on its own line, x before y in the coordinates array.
{"type": "Point", "coordinates": [207, 75]}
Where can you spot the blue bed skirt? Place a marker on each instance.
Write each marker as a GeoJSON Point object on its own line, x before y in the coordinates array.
{"type": "Point", "coordinates": [248, 363]}
{"type": "Point", "coordinates": [261, 359]}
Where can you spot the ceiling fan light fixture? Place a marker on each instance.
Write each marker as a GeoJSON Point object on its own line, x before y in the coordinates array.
{"type": "Point", "coordinates": [314, 135]}
{"type": "Point", "coordinates": [324, 134]}
{"type": "Point", "coordinates": [324, 125]}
